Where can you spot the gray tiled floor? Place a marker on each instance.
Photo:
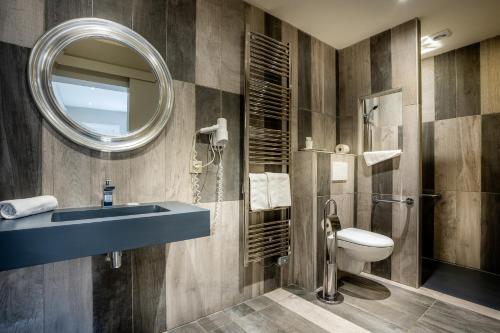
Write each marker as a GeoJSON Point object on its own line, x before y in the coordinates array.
{"type": "Point", "coordinates": [371, 305]}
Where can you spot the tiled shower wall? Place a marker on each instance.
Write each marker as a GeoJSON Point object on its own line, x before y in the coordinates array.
{"type": "Point", "coordinates": [388, 60]}
{"type": "Point", "coordinates": [163, 286]}
{"type": "Point", "coordinates": [461, 145]}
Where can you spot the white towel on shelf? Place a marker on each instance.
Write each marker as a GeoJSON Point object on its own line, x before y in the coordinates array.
{"type": "Point", "coordinates": [259, 197]}
{"type": "Point", "coordinates": [14, 209]}
{"type": "Point", "coordinates": [374, 157]}
{"type": "Point", "coordinates": [279, 189]}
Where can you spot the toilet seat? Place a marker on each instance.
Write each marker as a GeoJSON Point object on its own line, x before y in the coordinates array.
{"type": "Point", "coordinates": [364, 238]}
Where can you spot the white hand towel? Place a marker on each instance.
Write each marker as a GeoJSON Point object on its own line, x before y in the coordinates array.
{"type": "Point", "coordinates": [259, 197]}
{"type": "Point", "coordinates": [14, 209]}
{"type": "Point", "coordinates": [279, 189]}
{"type": "Point", "coordinates": [374, 157]}
{"type": "Point", "coordinates": [339, 171]}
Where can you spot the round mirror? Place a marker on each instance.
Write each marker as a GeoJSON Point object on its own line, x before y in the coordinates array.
{"type": "Point", "coordinates": [101, 84]}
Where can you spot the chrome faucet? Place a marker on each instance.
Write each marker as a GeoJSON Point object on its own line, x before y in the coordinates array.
{"type": "Point", "coordinates": [114, 257]}
{"type": "Point", "coordinates": [107, 193]}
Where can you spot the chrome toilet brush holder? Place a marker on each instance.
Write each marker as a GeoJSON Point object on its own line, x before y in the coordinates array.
{"type": "Point", "coordinates": [329, 293]}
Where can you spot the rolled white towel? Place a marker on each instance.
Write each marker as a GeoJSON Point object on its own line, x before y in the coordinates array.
{"type": "Point", "coordinates": [14, 209]}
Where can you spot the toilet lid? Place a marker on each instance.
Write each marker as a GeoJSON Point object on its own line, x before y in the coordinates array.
{"type": "Point", "coordinates": [364, 237]}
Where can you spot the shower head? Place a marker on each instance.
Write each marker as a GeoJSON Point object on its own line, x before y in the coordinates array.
{"type": "Point", "coordinates": [367, 115]}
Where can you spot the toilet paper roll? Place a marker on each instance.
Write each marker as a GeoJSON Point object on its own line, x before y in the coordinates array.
{"type": "Point", "coordinates": [342, 149]}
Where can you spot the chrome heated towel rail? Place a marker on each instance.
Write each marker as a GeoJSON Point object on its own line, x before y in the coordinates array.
{"type": "Point", "coordinates": [267, 141]}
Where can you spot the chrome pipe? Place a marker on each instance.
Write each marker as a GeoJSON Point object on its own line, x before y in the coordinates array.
{"type": "Point", "coordinates": [408, 201]}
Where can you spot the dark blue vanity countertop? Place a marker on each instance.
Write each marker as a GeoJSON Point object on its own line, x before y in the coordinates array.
{"type": "Point", "coordinates": [35, 239]}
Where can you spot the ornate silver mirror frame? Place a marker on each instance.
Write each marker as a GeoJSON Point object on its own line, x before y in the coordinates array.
{"type": "Point", "coordinates": [42, 60]}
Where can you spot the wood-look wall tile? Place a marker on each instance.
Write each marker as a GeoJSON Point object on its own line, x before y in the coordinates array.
{"type": "Point", "coordinates": [380, 62]}
{"type": "Point", "coordinates": [115, 167]}
{"type": "Point", "coordinates": [469, 154]}
{"type": "Point", "coordinates": [304, 206]}
{"type": "Point", "coordinates": [445, 83]}
{"type": "Point", "coordinates": [428, 156]}
{"type": "Point", "coordinates": [329, 80]}
{"type": "Point", "coordinates": [317, 74]}
{"type": "Point", "coordinates": [20, 128]}
{"type": "Point", "coordinates": [381, 223]}
{"type": "Point", "coordinates": [149, 289]}
{"type": "Point", "coordinates": [354, 82]}
{"type": "Point", "coordinates": [148, 172]}
{"type": "Point", "coordinates": [317, 130]}
{"type": "Point", "coordinates": [490, 75]}
{"type": "Point", "coordinates": [428, 111]}
{"type": "Point", "coordinates": [490, 232]}
{"type": "Point", "coordinates": [405, 54]}
{"type": "Point", "coordinates": [468, 241]}
{"type": "Point", "coordinates": [446, 154]}
{"type": "Point", "coordinates": [71, 172]}
{"type": "Point", "coordinates": [383, 177]}
{"type": "Point", "coordinates": [272, 26]}
{"type": "Point", "coordinates": [58, 11]}
{"type": "Point", "coordinates": [445, 227]}
{"type": "Point", "coordinates": [409, 173]}
{"type": "Point", "coordinates": [305, 83]}
{"type": "Point", "coordinates": [149, 18]}
{"type": "Point", "coordinates": [232, 109]}
{"type": "Point", "coordinates": [13, 18]}
{"type": "Point", "coordinates": [363, 176]}
{"type": "Point", "coordinates": [68, 296]}
{"type": "Point", "coordinates": [363, 216]}
{"type": "Point", "coordinates": [304, 126]}
{"type": "Point", "coordinates": [181, 39]}
{"type": "Point", "coordinates": [347, 186]}
{"type": "Point", "coordinates": [47, 162]}
{"type": "Point", "coordinates": [196, 269]}
{"type": "Point", "coordinates": [21, 300]}
{"type": "Point", "coordinates": [208, 43]}
{"type": "Point", "coordinates": [490, 153]}
{"type": "Point", "coordinates": [255, 18]}
{"type": "Point", "coordinates": [233, 37]}
{"type": "Point", "coordinates": [323, 172]}
{"type": "Point", "coordinates": [329, 132]}
{"type": "Point", "coordinates": [179, 134]}
{"type": "Point", "coordinates": [116, 11]}
{"type": "Point", "coordinates": [468, 80]}
{"type": "Point", "coordinates": [112, 295]}
{"type": "Point", "coordinates": [405, 259]}
{"type": "Point", "coordinates": [347, 132]}
{"type": "Point", "coordinates": [208, 109]}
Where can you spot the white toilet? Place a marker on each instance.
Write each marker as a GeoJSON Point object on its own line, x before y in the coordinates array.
{"type": "Point", "coordinates": [357, 247]}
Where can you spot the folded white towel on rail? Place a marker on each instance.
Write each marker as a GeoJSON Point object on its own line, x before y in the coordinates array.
{"type": "Point", "coordinates": [279, 189]}
{"type": "Point", "coordinates": [259, 197]}
{"type": "Point", "coordinates": [374, 157]}
{"type": "Point", "coordinates": [14, 209]}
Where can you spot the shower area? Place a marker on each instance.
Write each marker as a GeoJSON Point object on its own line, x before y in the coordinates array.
{"type": "Point", "coordinates": [460, 172]}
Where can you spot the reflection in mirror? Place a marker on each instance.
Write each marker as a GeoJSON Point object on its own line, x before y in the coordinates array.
{"type": "Point", "coordinates": [383, 122]}
{"type": "Point", "coordinates": [105, 86]}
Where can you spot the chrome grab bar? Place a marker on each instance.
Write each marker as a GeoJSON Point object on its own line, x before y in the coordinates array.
{"type": "Point", "coordinates": [407, 201]}
{"type": "Point", "coordinates": [432, 195]}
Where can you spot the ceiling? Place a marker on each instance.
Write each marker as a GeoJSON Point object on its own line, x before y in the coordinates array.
{"type": "Point", "coordinates": [341, 23]}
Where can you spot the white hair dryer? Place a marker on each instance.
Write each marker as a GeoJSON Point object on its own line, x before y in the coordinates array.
{"type": "Point", "coordinates": [221, 136]}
